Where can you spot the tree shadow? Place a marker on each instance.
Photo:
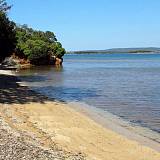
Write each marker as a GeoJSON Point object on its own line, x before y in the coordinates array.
{"type": "Point", "coordinates": [12, 93]}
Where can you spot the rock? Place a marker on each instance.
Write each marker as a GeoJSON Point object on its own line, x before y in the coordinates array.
{"type": "Point", "coordinates": [58, 61]}
{"type": "Point", "coordinates": [9, 62]}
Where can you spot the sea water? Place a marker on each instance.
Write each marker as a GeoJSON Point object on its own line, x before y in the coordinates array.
{"type": "Point", "coordinates": [126, 85]}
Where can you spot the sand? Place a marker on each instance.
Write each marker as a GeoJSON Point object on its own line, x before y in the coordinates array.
{"type": "Point", "coordinates": [54, 123]}
{"type": "Point", "coordinates": [75, 132]}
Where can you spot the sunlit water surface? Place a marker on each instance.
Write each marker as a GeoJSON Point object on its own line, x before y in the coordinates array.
{"type": "Point", "coordinates": [127, 85]}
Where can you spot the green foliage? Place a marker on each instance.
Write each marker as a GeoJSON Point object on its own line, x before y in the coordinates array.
{"type": "Point", "coordinates": [4, 6]}
{"type": "Point", "coordinates": [37, 45]}
{"type": "Point", "coordinates": [7, 36]}
{"type": "Point", "coordinates": [7, 32]}
{"type": "Point", "coordinates": [35, 49]}
{"type": "Point", "coordinates": [60, 52]}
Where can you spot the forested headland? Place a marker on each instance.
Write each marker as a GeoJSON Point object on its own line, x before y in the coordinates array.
{"type": "Point", "coordinates": [25, 44]}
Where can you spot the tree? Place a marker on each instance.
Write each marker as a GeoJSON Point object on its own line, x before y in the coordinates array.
{"type": "Point", "coordinates": [7, 36]}
{"type": "Point", "coordinates": [37, 46]}
{"type": "Point", "coordinates": [50, 36]}
{"type": "Point", "coordinates": [36, 51]}
{"type": "Point", "coordinates": [4, 6]}
{"type": "Point", "coordinates": [7, 32]}
{"type": "Point", "coordinates": [57, 50]}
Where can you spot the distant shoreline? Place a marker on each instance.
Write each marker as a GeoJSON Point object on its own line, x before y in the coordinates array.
{"type": "Point", "coordinates": [150, 50]}
{"type": "Point", "coordinates": [113, 53]}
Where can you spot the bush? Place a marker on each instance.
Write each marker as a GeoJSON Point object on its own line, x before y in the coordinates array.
{"type": "Point", "coordinates": [7, 36]}
{"type": "Point", "coordinates": [38, 45]}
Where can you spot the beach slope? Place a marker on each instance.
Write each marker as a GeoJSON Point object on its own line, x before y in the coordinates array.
{"type": "Point", "coordinates": [54, 128]}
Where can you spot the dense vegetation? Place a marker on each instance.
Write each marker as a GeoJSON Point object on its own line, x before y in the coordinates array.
{"type": "Point", "coordinates": [36, 46]}
{"type": "Point", "coordinates": [7, 32]}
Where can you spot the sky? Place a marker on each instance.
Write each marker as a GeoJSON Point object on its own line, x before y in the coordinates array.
{"type": "Point", "coordinates": [93, 24]}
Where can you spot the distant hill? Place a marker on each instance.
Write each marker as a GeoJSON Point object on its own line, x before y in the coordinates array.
{"type": "Point", "coordinates": [121, 50]}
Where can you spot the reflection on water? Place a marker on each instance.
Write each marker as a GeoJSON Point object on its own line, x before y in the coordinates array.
{"type": "Point", "coordinates": [125, 85]}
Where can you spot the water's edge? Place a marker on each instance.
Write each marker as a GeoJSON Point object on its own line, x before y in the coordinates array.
{"type": "Point", "coordinates": [120, 92]}
{"type": "Point", "coordinates": [142, 135]}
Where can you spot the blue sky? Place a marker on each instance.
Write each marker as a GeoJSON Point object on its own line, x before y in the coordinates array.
{"type": "Point", "coordinates": [93, 24]}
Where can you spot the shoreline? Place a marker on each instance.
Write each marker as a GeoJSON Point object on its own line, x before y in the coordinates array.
{"type": "Point", "coordinates": [74, 131]}
{"type": "Point", "coordinates": [130, 53]}
{"type": "Point", "coordinates": [19, 137]}
{"type": "Point", "coordinates": [144, 136]}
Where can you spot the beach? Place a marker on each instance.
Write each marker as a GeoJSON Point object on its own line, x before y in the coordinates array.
{"type": "Point", "coordinates": [49, 129]}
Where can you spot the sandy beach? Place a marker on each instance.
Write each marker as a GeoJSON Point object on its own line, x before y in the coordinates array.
{"type": "Point", "coordinates": [49, 129]}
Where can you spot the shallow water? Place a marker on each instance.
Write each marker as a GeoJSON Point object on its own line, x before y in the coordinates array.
{"type": "Point", "coordinates": [127, 85]}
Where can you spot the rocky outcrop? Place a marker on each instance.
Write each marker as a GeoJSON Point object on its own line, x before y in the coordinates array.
{"type": "Point", "coordinates": [10, 62]}
{"type": "Point", "coordinates": [15, 63]}
{"type": "Point", "coordinates": [21, 63]}
{"type": "Point", "coordinates": [58, 61]}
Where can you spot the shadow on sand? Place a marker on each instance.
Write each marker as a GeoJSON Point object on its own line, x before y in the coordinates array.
{"type": "Point", "coordinates": [12, 93]}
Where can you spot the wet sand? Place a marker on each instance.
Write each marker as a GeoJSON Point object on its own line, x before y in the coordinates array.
{"type": "Point", "coordinates": [143, 135]}
{"type": "Point", "coordinates": [55, 125]}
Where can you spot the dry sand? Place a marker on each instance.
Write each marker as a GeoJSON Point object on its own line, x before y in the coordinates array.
{"type": "Point", "coordinates": [77, 133]}
{"type": "Point", "coordinates": [54, 123]}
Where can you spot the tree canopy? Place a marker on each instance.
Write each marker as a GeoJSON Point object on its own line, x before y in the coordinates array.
{"type": "Point", "coordinates": [4, 6]}
{"type": "Point", "coordinates": [36, 46]}
{"type": "Point", "coordinates": [7, 32]}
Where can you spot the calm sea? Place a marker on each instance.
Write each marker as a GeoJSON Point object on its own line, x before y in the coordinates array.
{"type": "Point", "coordinates": [126, 85]}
